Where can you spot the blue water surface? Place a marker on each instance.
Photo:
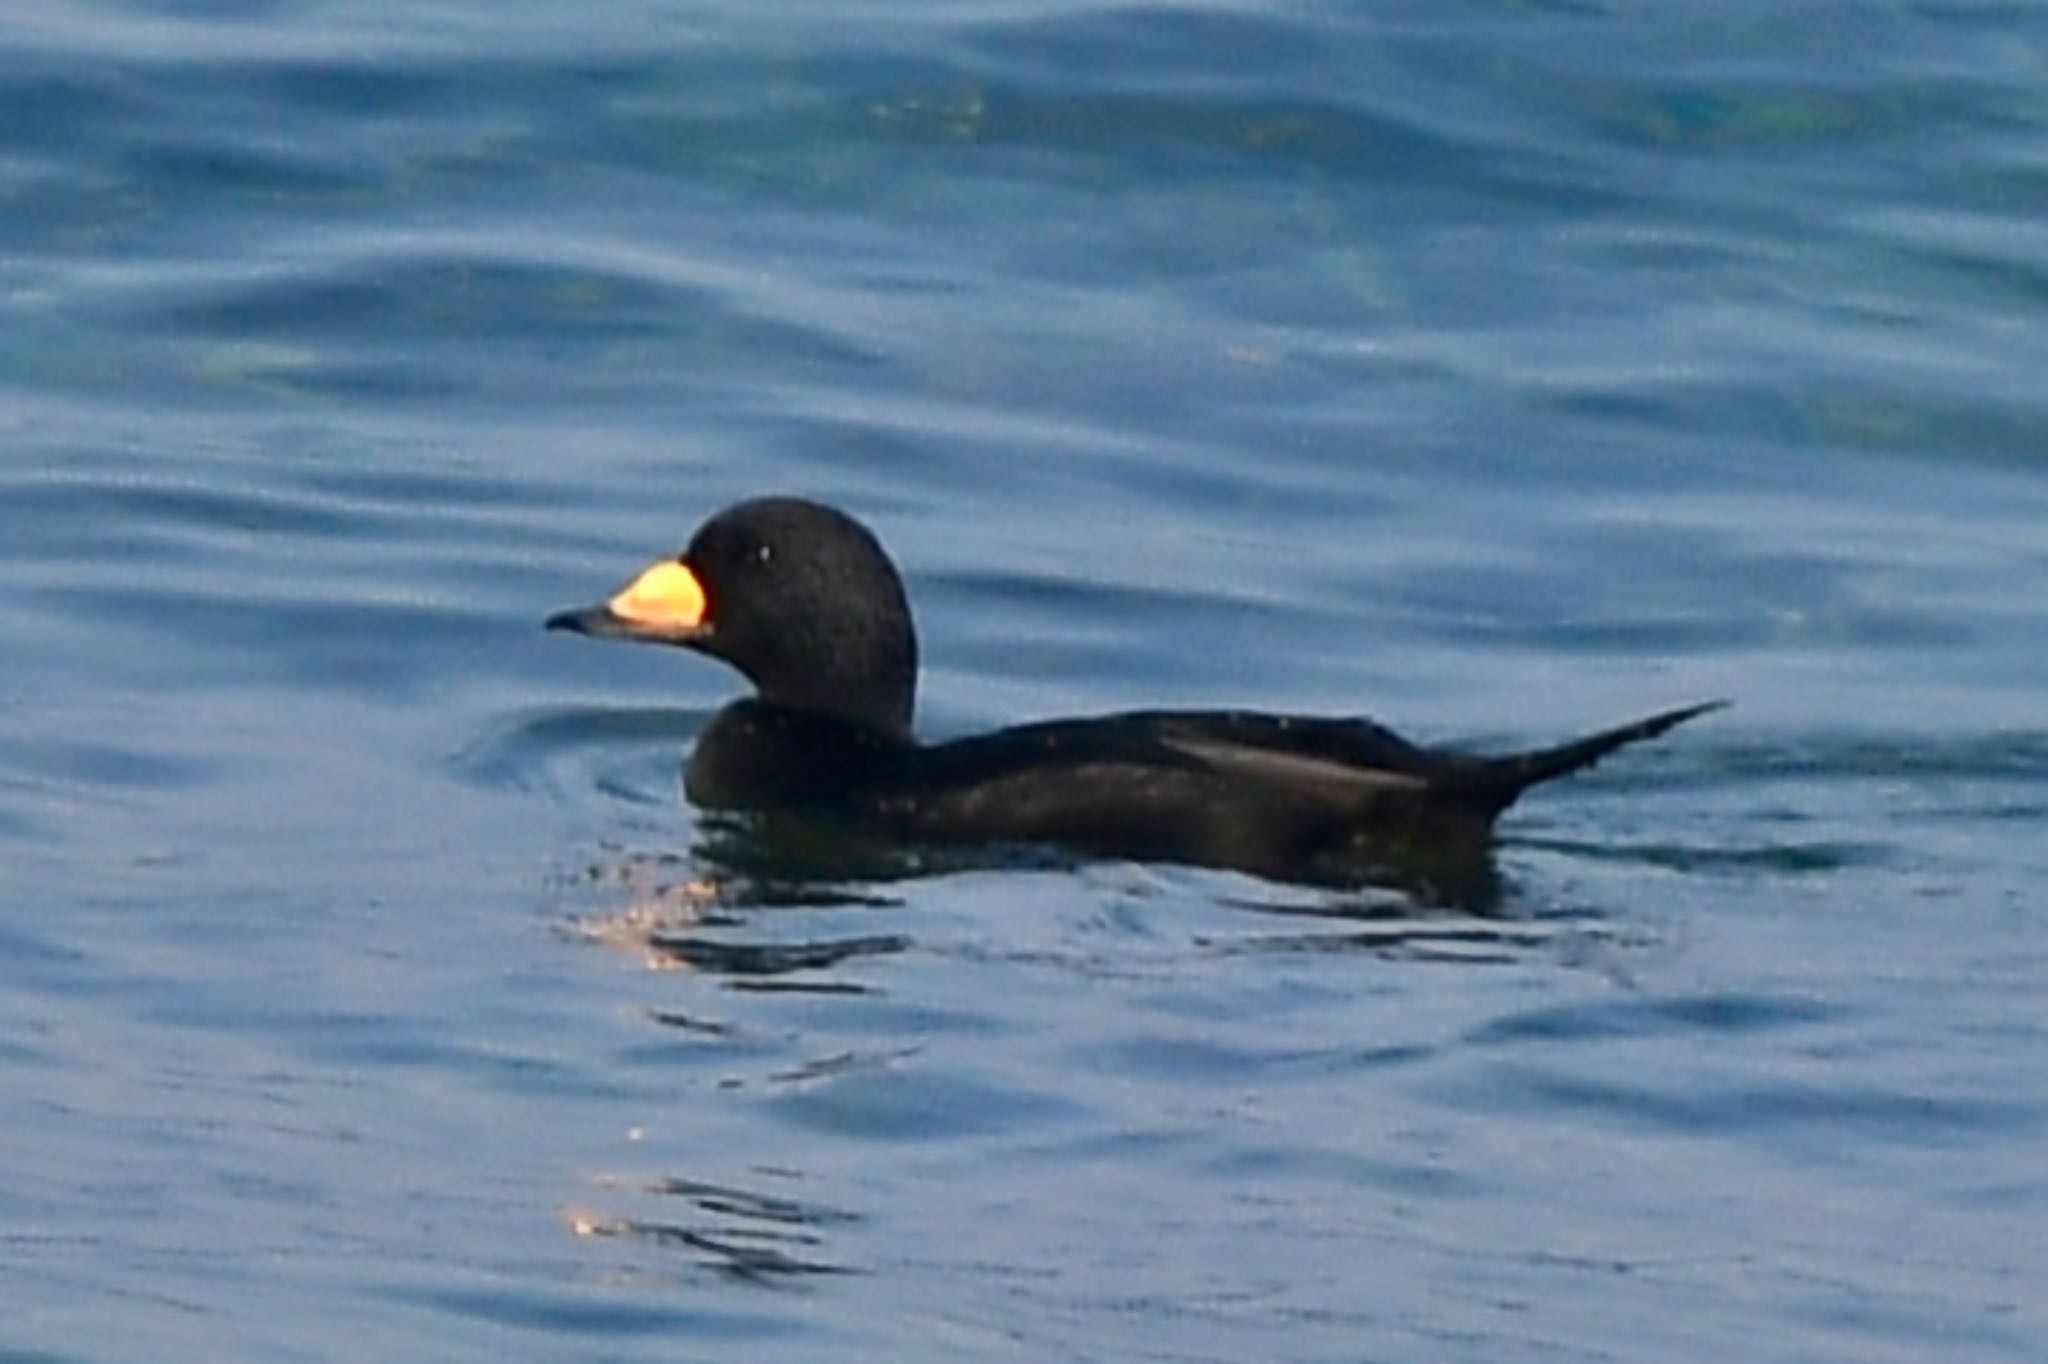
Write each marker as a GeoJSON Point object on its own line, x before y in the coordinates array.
{"type": "Point", "coordinates": [1499, 369]}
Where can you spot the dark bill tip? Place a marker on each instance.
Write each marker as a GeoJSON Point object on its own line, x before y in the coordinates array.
{"type": "Point", "coordinates": [601, 622]}
{"type": "Point", "coordinates": [588, 620]}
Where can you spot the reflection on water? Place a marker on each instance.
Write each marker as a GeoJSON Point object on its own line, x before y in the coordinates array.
{"type": "Point", "coordinates": [747, 875]}
{"type": "Point", "coordinates": [792, 859]}
{"type": "Point", "coordinates": [681, 912]}
{"type": "Point", "coordinates": [735, 917]}
{"type": "Point", "coordinates": [1394, 926]}
{"type": "Point", "coordinates": [752, 959]}
{"type": "Point", "coordinates": [746, 1234]}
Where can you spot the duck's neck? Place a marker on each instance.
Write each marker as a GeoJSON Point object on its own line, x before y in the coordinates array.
{"type": "Point", "coordinates": [758, 754]}
{"type": "Point", "coordinates": [885, 710]}
{"type": "Point", "coordinates": [865, 676]}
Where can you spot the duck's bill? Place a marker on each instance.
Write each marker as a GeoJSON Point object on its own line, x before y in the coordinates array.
{"type": "Point", "coordinates": [598, 622]}
{"type": "Point", "coordinates": [665, 604]}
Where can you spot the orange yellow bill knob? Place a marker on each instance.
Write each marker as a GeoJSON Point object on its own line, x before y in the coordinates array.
{"type": "Point", "coordinates": [664, 605]}
{"type": "Point", "coordinates": [667, 596]}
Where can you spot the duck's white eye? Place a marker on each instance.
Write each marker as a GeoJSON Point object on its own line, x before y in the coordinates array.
{"type": "Point", "coordinates": [763, 553]}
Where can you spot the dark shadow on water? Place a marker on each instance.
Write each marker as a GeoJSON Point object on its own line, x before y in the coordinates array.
{"type": "Point", "coordinates": [772, 959]}
{"type": "Point", "coordinates": [743, 1257]}
{"type": "Point", "coordinates": [775, 859]}
{"type": "Point", "coordinates": [723, 910]}
{"type": "Point", "coordinates": [1785, 859]}
{"type": "Point", "coordinates": [712, 912]}
{"type": "Point", "coordinates": [727, 908]}
{"type": "Point", "coordinates": [718, 1198]}
{"type": "Point", "coordinates": [798, 987]}
{"type": "Point", "coordinates": [761, 1238]}
{"type": "Point", "coordinates": [1388, 925]}
{"type": "Point", "coordinates": [689, 1023]}
{"type": "Point", "coordinates": [785, 860]}
{"type": "Point", "coordinates": [788, 906]}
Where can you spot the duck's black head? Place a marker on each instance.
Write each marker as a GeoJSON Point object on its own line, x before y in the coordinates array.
{"type": "Point", "coordinates": [797, 595]}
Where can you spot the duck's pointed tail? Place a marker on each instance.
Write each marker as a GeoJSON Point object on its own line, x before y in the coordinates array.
{"type": "Point", "coordinates": [1492, 784]}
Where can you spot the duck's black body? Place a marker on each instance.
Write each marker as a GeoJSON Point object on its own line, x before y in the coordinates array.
{"type": "Point", "coordinates": [801, 599]}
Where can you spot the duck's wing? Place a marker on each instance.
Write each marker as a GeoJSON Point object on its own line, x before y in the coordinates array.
{"type": "Point", "coordinates": [1175, 786]}
{"type": "Point", "coordinates": [1306, 747]}
{"type": "Point", "coordinates": [1237, 788]}
{"type": "Point", "coordinates": [1289, 750]}
{"type": "Point", "coordinates": [1320, 759]}
{"type": "Point", "coordinates": [1309, 752]}
{"type": "Point", "coordinates": [1323, 750]}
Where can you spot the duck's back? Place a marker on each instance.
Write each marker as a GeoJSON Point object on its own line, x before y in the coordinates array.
{"type": "Point", "coordinates": [1228, 788]}
{"type": "Point", "coordinates": [1296, 797]}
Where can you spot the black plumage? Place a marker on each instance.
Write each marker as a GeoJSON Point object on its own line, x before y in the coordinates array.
{"type": "Point", "coordinates": [802, 599]}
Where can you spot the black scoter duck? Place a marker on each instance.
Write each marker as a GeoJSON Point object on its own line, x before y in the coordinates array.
{"type": "Point", "coordinates": [802, 599]}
